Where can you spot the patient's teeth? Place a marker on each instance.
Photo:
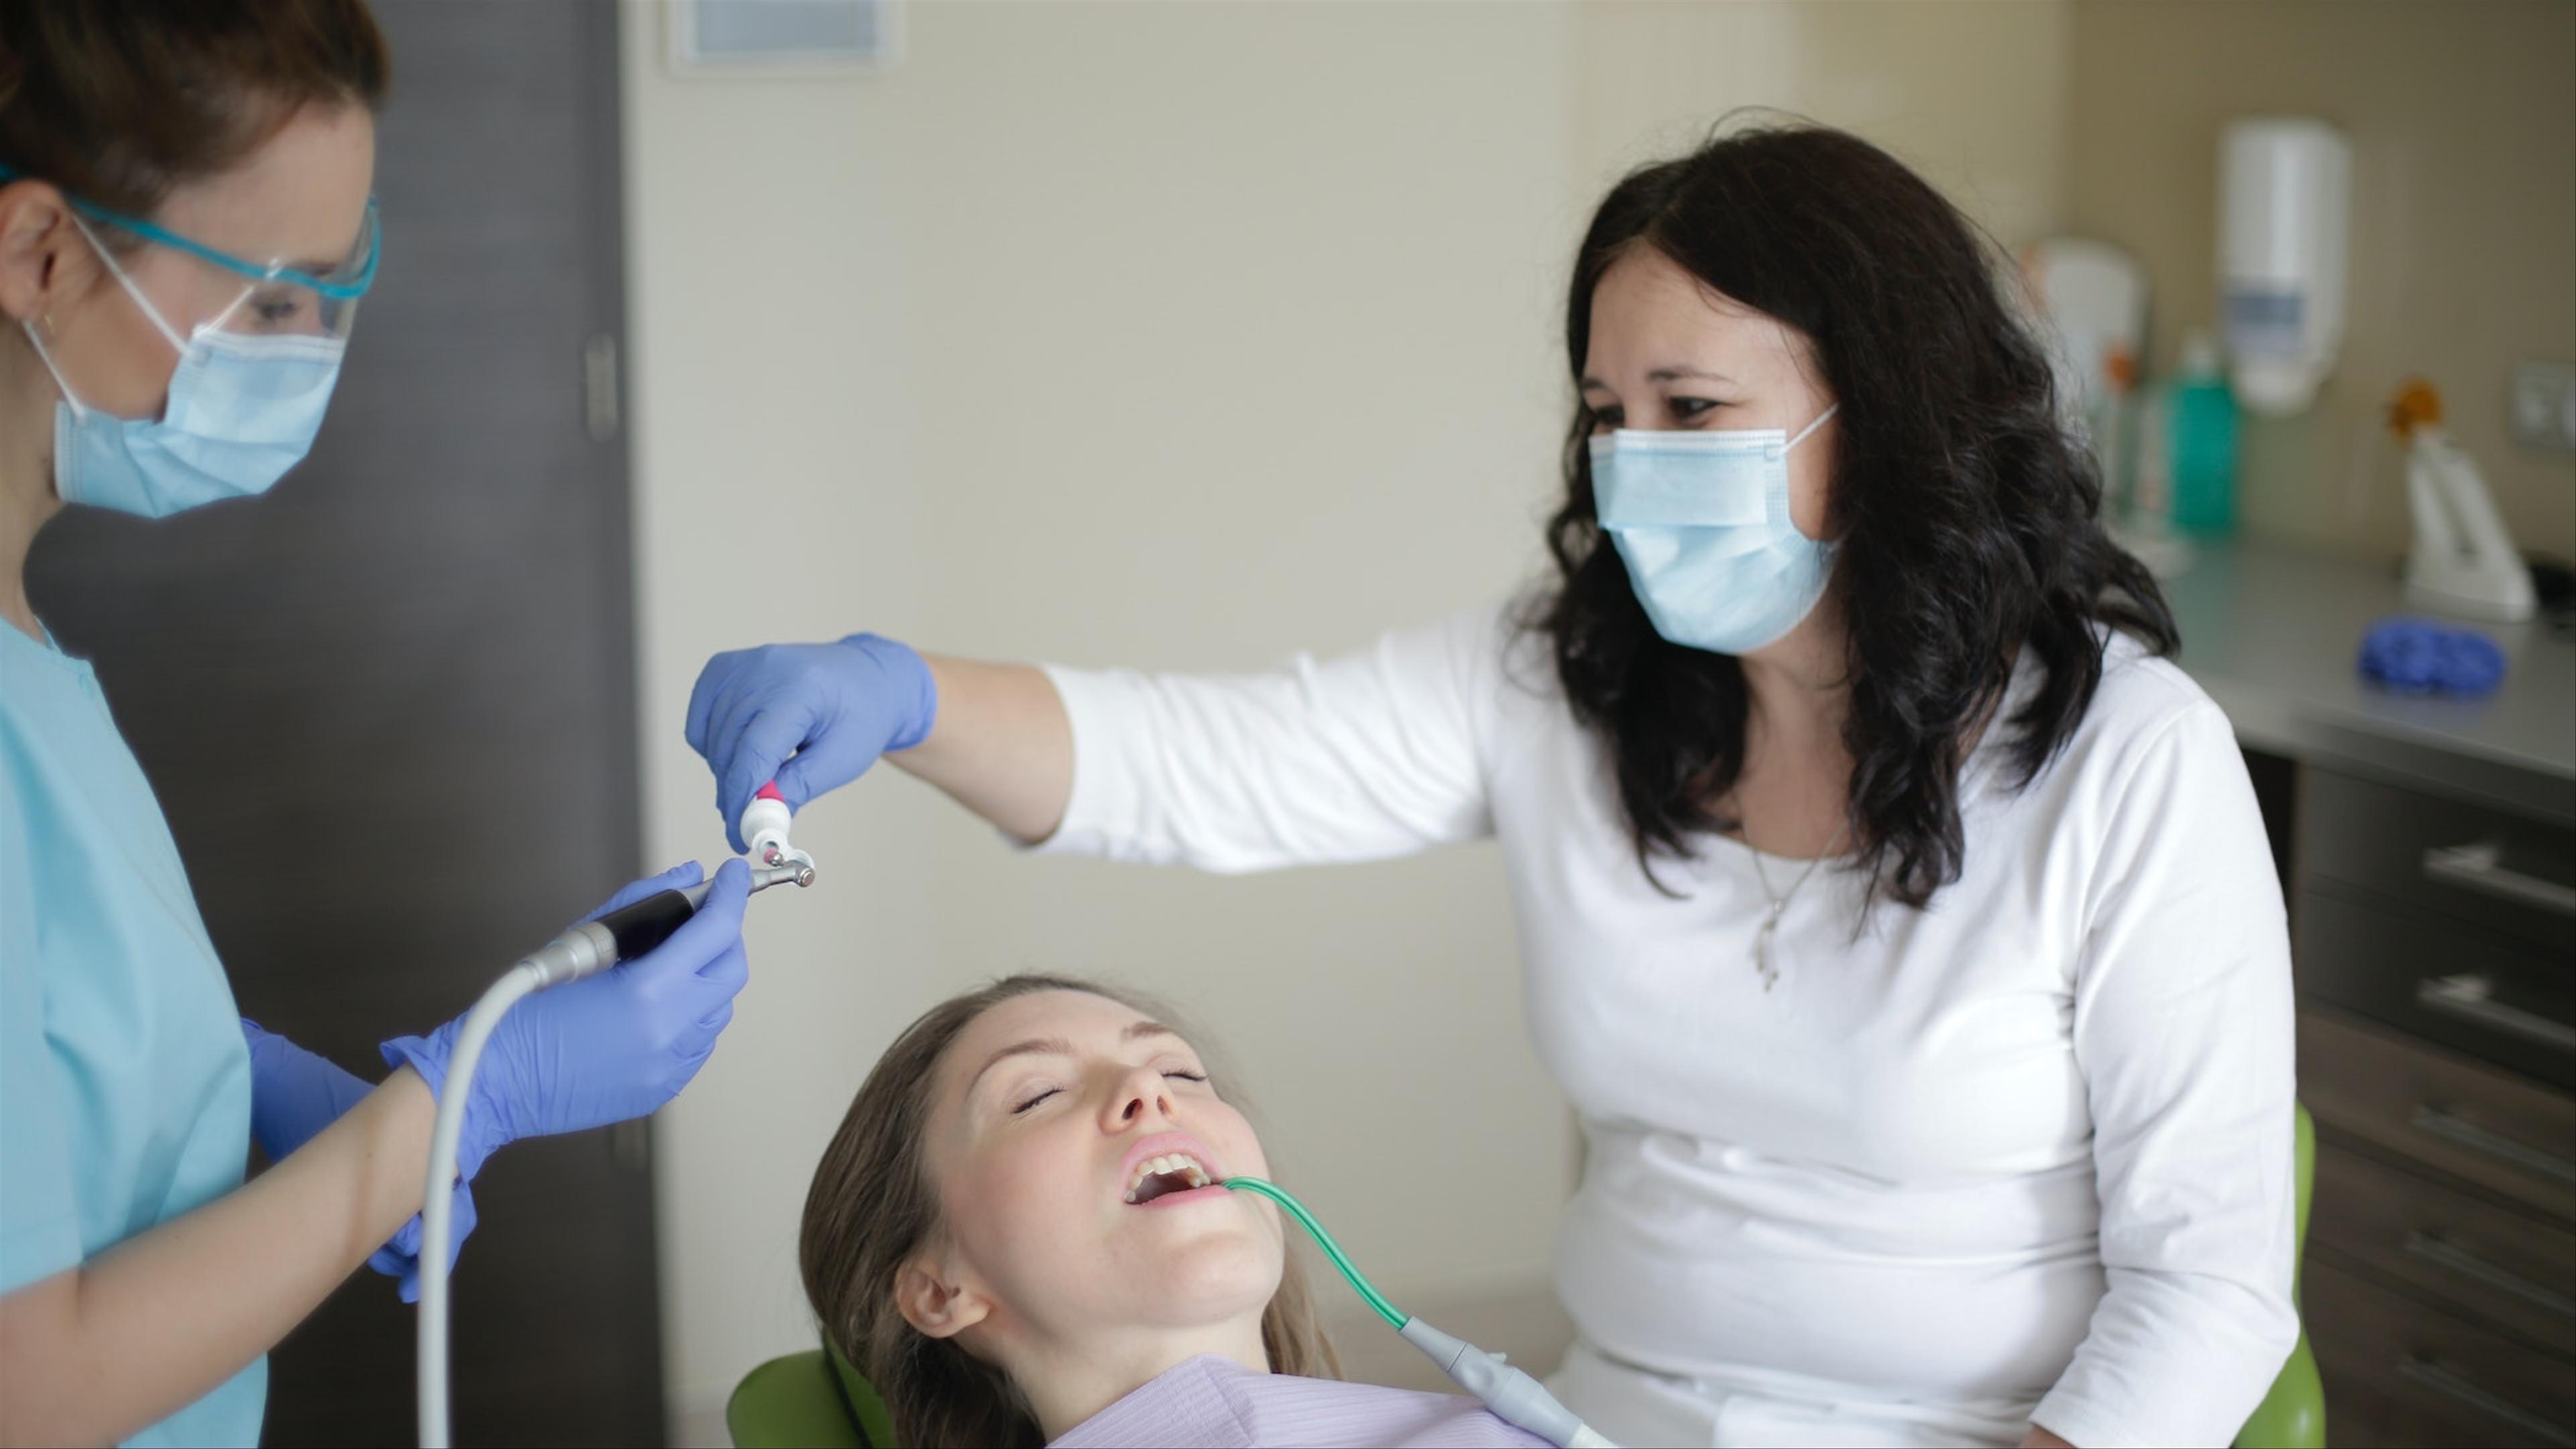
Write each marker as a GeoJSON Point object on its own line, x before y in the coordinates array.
{"type": "Point", "coordinates": [1181, 1163]}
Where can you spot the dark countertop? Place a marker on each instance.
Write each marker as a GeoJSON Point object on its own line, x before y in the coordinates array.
{"type": "Point", "coordinates": [2273, 634]}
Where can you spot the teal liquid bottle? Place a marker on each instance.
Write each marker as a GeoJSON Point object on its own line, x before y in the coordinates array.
{"type": "Point", "coordinates": [2202, 419]}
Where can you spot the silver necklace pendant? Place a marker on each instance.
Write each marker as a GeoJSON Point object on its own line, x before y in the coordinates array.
{"type": "Point", "coordinates": [1774, 907]}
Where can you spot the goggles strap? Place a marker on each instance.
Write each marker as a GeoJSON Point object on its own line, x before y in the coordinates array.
{"type": "Point", "coordinates": [177, 343]}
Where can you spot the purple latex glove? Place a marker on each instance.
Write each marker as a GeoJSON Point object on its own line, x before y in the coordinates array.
{"type": "Point", "coordinates": [294, 1094]}
{"type": "Point", "coordinates": [812, 717]}
{"type": "Point", "coordinates": [608, 1047]}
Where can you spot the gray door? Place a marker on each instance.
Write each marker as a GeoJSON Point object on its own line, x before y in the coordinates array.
{"type": "Point", "coordinates": [390, 709]}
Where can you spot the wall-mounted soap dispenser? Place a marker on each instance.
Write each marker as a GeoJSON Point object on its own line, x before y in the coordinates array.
{"type": "Point", "coordinates": [2284, 238]}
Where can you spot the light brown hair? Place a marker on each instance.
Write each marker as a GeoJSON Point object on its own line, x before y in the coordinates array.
{"type": "Point", "coordinates": [118, 101]}
{"type": "Point", "coordinates": [873, 1205]}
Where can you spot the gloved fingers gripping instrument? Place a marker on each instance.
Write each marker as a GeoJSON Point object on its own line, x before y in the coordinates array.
{"type": "Point", "coordinates": [624, 934]}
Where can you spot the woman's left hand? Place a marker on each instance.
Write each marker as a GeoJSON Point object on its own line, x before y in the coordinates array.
{"type": "Point", "coordinates": [294, 1094]}
{"type": "Point", "coordinates": [2039, 1438]}
{"type": "Point", "coordinates": [608, 1047]}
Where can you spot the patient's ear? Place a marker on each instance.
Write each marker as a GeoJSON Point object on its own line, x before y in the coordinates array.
{"type": "Point", "coordinates": [934, 1306]}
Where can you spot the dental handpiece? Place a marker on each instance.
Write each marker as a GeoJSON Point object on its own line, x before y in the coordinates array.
{"type": "Point", "coordinates": [630, 931]}
{"type": "Point", "coordinates": [619, 935]}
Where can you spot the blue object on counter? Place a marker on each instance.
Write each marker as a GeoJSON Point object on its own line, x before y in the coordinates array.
{"type": "Point", "coordinates": [2407, 655]}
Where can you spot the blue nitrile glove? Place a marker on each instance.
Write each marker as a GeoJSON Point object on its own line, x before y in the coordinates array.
{"type": "Point", "coordinates": [294, 1094]}
{"type": "Point", "coordinates": [813, 717]}
{"type": "Point", "coordinates": [2408, 655]}
{"type": "Point", "coordinates": [607, 1047]}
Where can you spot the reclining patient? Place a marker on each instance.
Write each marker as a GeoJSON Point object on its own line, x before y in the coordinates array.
{"type": "Point", "coordinates": [1017, 1237]}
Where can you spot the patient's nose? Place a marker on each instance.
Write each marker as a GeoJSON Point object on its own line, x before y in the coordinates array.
{"type": "Point", "coordinates": [1143, 1096]}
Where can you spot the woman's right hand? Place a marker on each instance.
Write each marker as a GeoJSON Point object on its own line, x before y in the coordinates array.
{"type": "Point", "coordinates": [294, 1095]}
{"type": "Point", "coordinates": [812, 717]}
{"type": "Point", "coordinates": [607, 1047]}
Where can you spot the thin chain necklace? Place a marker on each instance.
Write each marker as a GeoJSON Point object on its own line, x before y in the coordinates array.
{"type": "Point", "coordinates": [1778, 905]}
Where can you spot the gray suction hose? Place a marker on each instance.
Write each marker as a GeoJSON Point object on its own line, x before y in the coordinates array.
{"type": "Point", "coordinates": [1515, 1397]}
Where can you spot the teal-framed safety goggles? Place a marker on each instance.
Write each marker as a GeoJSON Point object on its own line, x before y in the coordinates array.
{"type": "Point", "coordinates": [346, 283]}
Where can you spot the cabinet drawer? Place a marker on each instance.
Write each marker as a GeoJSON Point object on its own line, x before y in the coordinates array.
{"type": "Point", "coordinates": [2397, 1372]}
{"type": "Point", "coordinates": [2498, 1131]}
{"type": "Point", "coordinates": [2512, 875]}
{"type": "Point", "coordinates": [2443, 979]}
{"type": "Point", "coordinates": [2492, 1263]}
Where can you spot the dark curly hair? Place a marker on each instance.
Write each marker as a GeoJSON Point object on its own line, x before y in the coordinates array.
{"type": "Point", "coordinates": [1968, 518]}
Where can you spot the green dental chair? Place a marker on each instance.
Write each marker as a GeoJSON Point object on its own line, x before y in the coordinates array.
{"type": "Point", "coordinates": [809, 1400]}
{"type": "Point", "coordinates": [2293, 1414]}
{"type": "Point", "coordinates": [815, 1400]}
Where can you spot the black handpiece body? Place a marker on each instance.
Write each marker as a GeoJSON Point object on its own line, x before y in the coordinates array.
{"type": "Point", "coordinates": [648, 923]}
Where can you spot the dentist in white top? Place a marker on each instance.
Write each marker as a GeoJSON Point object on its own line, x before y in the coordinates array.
{"type": "Point", "coordinates": [1898, 919]}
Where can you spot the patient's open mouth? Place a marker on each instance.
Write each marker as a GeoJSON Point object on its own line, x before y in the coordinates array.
{"type": "Point", "coordinates": [1168, 1173]}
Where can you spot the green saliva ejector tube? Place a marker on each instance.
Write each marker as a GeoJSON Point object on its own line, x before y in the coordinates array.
{"type": "Point", "coordinates": [1515, 1397]}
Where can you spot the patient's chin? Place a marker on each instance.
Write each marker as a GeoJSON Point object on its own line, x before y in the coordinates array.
{"type": "Point", "coordinates": [1206, 1278]}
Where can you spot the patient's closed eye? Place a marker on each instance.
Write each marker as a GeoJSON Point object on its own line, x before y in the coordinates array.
{"type": "Point", "coordinates": [1044, 1093]}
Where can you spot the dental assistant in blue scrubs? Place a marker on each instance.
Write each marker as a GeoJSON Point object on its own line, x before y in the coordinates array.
{"type": "Point", "coordinates": [185, 230]}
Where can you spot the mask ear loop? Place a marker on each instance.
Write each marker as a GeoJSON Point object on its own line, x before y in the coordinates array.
{"type": "Point", "coordinates": [1783, 495]}
{"type": "Point", "coordinates": [1811, 427]}
{"type": "Point", "coordinates": [81, 410]}
{"type": "Point", "coordinates": [61, 383]}
{"type": "Point", "coordinates": [177, 343]}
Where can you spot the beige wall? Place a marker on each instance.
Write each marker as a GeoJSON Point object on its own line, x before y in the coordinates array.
{"type": "Point", "coordinates": [2463, 122]}
{"type": "Point", "coordinates": [1277, 378]}
{"type": "Point", "coordinates": [777, 495]}
{"type": "Point", "coordinates": [1175, 335]}
{"type": "Point", "coordinates": [1972, 93]}
{"type": "Point", "coordinates": [1182, 336]}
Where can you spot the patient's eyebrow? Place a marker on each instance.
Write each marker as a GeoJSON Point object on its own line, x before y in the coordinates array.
{"type": "Point", "coordinates": [1137, 1029]}
{"type": "Point", "coordinates": [1036, 1046]}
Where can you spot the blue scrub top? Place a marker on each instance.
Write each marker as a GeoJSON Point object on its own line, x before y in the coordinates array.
{"type": "Point", "coordinates": [124, 1081]}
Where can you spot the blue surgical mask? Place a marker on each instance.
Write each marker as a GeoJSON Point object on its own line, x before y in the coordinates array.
{"type": "Point", "coordinates": [1702, 521]}
{"type": "Point", "coordinates": [243, 409]}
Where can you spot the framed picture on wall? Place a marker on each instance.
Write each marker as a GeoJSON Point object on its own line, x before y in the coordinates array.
{"type": "Point", "coordinates": [733, 39]}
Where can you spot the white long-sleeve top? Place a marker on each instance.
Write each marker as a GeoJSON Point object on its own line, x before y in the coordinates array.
{"type": "Point", "coordinates": [2025, 1153]}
